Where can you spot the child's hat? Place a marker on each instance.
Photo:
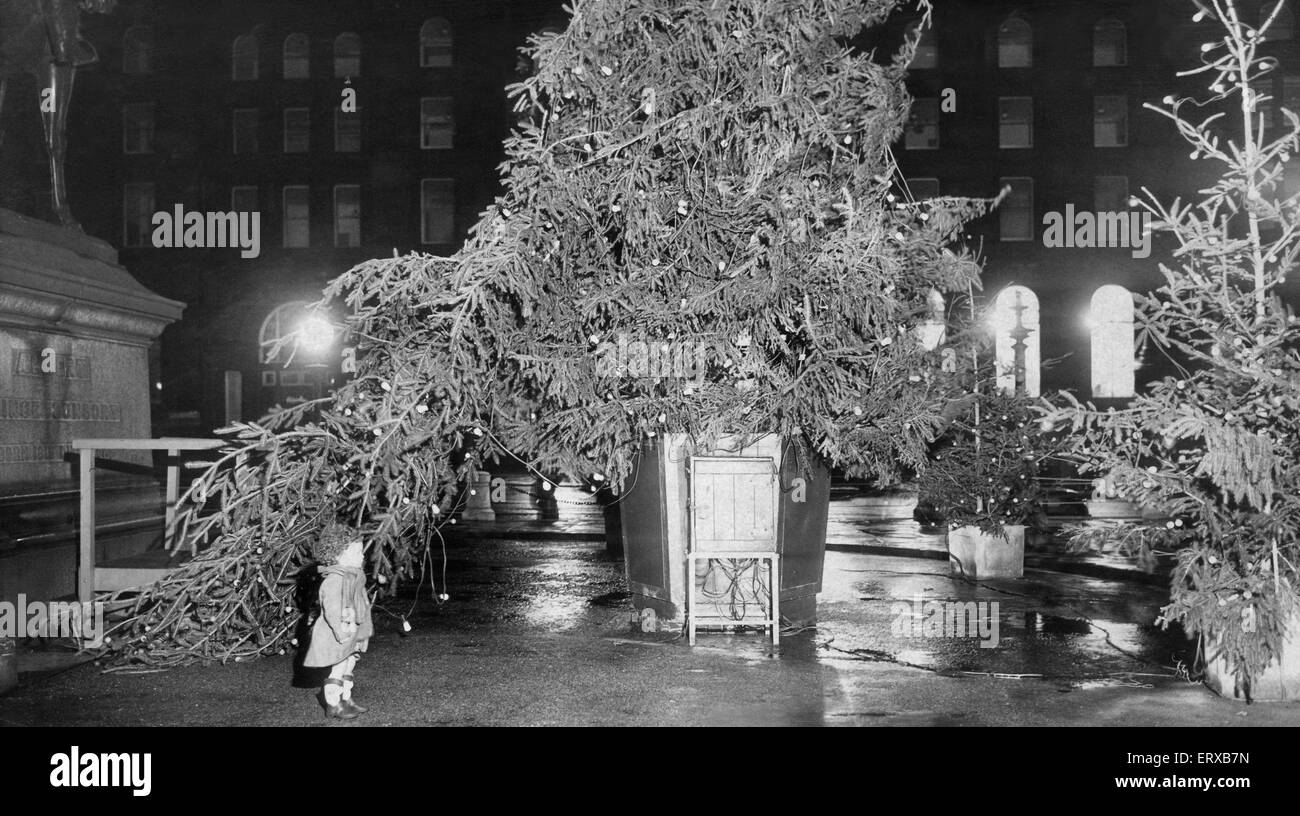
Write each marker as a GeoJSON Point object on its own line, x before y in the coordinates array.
{"type": "Point", "coordinates": [333, 540]}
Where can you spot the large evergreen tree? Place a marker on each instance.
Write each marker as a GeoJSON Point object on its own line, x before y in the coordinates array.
{"type": "Point", "coordinates": [712, 175]}
{"type": "Point", "coordinates": [1214, 448]}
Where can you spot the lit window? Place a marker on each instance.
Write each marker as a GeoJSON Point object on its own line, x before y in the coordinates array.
{"type": "Point", "coordinates": [347, 131]}
{"type": "Point", "coordinates": [1291, 94]}
{"type": "Point", "coordinates": [297, 217]}
{"type": "Point", "coordinates": [437, 123]}
{"type": "Point", "coordinates": [137, 128]}
{"type": "Point", "coordinates": [932, 330]}
{"type": "Point", "coordinates": [437, 211]}
{"type": "Point", "coordinates": [347, 215]}
{"type": "Point", "coordinates": [1265, 102]}
{"type": "Point", "coordinates": [137, 214]}
{"type": "Point", "coordinates": [1016, 341]}
{"type": "Point", "coordinates": [1016, 121]}
{"type": "Point", "coordinates": [927, 53]}
{"type": "Point", "coordinates": [1111, 321]}
{"type": "Point", "coordinates": [1110, 121]}
{"type": "Point", "coordinates": [1283, 27]}
{"type": "Point", "coordinates": [243, 199]}
{"type": "Point", "coordinates": [347, 55]}
{"type": "Point", "coordinates": [435, 43]}
{"type": "Point", "coordinates": [1109, 43]}
{"type": "Point", "coordinates": [245, 130]}
{"type": "Point", "coordinates": [297, 130]}
{"type": "Point", "coordinates": [137, 50]}
{"type": "Point", "coordinates": [1110, 194]}
{"type": "Point", "coordinates": [297, 56]}
{"type": "Point", "coordinates": [243, 63]}
{"type": "Point", "coordinates": [1016, 212]}
{"type": "Point", "coordinates": [923, 128]}
{"type": "Point", "coordinates": [1015, 44]}
{"type": "Point", "coordinates": [923, 188]}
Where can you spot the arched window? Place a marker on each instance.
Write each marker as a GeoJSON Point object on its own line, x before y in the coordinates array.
{"type": "Point", "coordinates": [297, 56]}
{"type": "Point", "coordinates": [137, 50]}
{"type": "Point", "coordinates": [1283, 27]}
{"type": "Point", "coordinates": [347, 55]}
{"type": "Point", "coordinates": [435, 43]}
{"type": "Point", "coordinates": [1109, 43]}
{"type": "Point", "coordinates": [294, 333]}
{"type": "Point", "coordinates": [927, 53]}
{"type": "Point", "coordinates": [243, 59]}
{"type": "Point", "coordinates": [1111, 320]}
{"type": "Point", "coordinates": [1015, 44]}
{"type": "Point", "coordinates": [1016, 341]}
{"type": "Point", "coordinates": [931, 331]}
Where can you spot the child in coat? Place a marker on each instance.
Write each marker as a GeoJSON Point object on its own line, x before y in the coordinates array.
{"type": "Point", "coordinates": [344, 628]}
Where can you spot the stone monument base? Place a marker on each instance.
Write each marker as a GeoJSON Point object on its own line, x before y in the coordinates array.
{"type": "Point", "coordinates": [75, 333]}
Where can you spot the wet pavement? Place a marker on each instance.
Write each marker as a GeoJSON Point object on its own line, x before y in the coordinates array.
{"type": "Point", "coordinates": [538, 632]}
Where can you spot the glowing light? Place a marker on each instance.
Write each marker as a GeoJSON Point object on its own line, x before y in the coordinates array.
{"type": "Point", "coordinates": [315, 334]}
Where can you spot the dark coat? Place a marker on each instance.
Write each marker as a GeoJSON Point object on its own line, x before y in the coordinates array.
{"type": "Point", "coordinates": [342, 588]}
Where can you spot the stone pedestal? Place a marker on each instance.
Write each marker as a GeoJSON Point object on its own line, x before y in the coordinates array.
{"type": "Point", "coordinates": [478, 499]}
{"type": "Point", "coordinates": [75, 331]}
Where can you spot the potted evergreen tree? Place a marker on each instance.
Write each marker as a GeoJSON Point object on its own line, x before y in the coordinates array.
{"type": "Point", "coordinates": [1214, 446]}
{"type": "Point", "coordinates": [983, 477]}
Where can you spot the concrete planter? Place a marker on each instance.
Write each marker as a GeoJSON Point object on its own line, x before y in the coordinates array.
{"type": "Point", "coordinates": [978, 555]}
{"type": "Point", "coordinates": [1280, 682]}
{"type": "Point", "coordinates": [1112, 509]}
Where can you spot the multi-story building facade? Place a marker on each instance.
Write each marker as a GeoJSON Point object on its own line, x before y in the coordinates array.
{"type": "Point", "coordinates": [353, 129]}
{"type": "Point", "coordinates": [356, 129]}
{"type": "Point", "coordinates": [1047, 98]}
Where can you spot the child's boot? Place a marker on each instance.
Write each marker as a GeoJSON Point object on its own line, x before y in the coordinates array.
{"type": "Point", "coordinates": [332, 702]}
{"type": "Point", "coordinates": [347, 701]}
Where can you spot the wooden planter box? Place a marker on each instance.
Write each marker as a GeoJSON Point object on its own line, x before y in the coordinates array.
{"type": "Point", "coordinates": [654, 516]}
{"type": "Point", "coordinates": [978, 555]}
{"type": "Point", "coordinates": [1280, 682]}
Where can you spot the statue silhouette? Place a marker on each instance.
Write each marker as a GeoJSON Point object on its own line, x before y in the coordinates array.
{"type": "Point", "coordinates": [43, 38]}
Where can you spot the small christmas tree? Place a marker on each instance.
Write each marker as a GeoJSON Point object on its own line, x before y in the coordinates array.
{"type": "Point", "coordinates": [984, 469]}
{"type": "Point", "coordinates": [697, 174]}
{"type": "Point", "coordinates": [1214, 447]}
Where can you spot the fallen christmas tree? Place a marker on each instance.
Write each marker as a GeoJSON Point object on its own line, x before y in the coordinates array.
{"type": "Point", "coordinates": [701, 172]}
